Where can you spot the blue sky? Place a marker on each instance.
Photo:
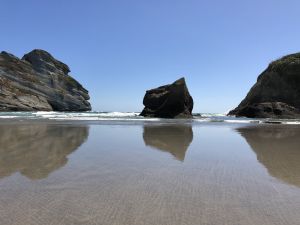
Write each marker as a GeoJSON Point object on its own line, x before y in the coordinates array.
{"type": "Point", "coordinates": [118, 49]}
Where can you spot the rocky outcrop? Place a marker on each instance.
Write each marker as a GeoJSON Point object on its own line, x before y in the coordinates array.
{"type": "Point", "coordinates": [276, 93]}
{"type": "Point", "coordinates": [39, 82]}
{"type": "Point", "coordinates": [267, 110]}
{"type": "Point", "coordinates": [169, 101]}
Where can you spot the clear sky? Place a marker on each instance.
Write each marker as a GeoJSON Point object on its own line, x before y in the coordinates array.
{"type": "Point", "coordinates": [118, 49]}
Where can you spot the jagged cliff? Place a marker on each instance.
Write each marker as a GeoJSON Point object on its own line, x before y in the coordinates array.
{"type": "Point", "coordinates": [39, 82]}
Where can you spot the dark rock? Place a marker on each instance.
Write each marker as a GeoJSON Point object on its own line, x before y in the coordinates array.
{"type": "Point", "coordinates": [276, 93]}
{"type": "Point", "coordinates": [169, 101]}
{"type": "Point", "coordinates": [43, 62]}
{"type": "Point", "coordinates": [39, 82]}
{"type": "Point", "coordinates": [267, 110]}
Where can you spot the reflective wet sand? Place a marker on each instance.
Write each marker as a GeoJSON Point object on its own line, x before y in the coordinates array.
{"type": "Point", "coordinates": [122, 174]}
{"type": "Point", "coordinates": [38, 149]}
{"type": "Point", "coordinates": [174, 139]}
{"type": "Point", "coordinates": [278, 149]}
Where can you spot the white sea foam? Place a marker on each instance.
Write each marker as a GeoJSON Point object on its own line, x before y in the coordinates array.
{"type": "Point", "coordinates": [131, 116]}
{"type": "Point", "coordinates": [225, 120]}
{"type": "Point", "coordinates": [213, 114]}
{"type": "Point", "coordinates": [44, 113]}
{"type": "Point", "coordinates": [291, 122]}
{"type": "Point", "coordinates": [242, 121]}
{"type": "Point", "coordinates": [8, 117]}
{"type": "Point", "coordinates": [105, 119]}
{"type": "Point", "coordinates": [118, 114]}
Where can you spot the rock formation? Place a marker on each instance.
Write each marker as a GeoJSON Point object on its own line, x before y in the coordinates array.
{"type": "Point", "coordinates": [169, 101]}
{"type": "Point", "coordinates": [39, 82]}
{"type": "Point", "coordinates": [276, 93]}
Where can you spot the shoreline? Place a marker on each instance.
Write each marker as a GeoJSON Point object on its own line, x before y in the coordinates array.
{"type": "Point", "coordinates": [134, 117]}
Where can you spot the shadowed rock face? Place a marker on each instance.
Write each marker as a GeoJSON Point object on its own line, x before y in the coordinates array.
{"type": "Point", "coordinates": [174, 139]}
{"type": "Point", "coordinates": [276, 93]}
{"type": "Point", "coordinates": [278, 149]}
{"type": "Point", "coordinates": [39, 149]}
{"type": "Point", "coordinates": [39, 82]}
{"type": "Point", "coordinates": [169, 101]}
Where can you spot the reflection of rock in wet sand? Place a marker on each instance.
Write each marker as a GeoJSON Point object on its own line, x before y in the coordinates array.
{"type": "Point", "coordinates": [36, 150]}
{"type": "Point", "coordinates": [278, 149]}
{"type": "Point", "coordinates": [170, 138]}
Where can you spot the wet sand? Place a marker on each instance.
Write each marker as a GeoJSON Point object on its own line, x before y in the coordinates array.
{"type": "Point", "coordinates": [148, 174]}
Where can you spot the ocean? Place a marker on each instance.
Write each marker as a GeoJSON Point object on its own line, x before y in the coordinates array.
{"type": "Point", "coordinates": [134, 117]}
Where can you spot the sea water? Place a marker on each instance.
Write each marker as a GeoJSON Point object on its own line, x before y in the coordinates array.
{"type": "Point", "coordinates": [134, 117]}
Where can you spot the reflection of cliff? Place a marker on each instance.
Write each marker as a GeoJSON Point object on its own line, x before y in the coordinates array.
{"type": "Point", "coordinates": [278, 149]}
{"type": "Point", "coordinates": [169, 138]}
{"type": "Point", "coordinates": [37, 150]}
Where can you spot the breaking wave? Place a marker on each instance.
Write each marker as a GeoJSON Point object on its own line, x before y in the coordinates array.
{"type": "Point", "coordinates": [131, 116]}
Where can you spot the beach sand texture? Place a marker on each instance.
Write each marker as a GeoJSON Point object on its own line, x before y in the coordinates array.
{"type": "Point", "coordinates": [149, 174]}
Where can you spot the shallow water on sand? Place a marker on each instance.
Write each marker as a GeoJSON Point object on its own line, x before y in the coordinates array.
{"type": "Point", "coordinates": [151, 173]}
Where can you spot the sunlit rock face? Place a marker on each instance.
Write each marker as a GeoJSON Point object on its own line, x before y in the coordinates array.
{"type": "Point", "coordinates": [39, 82]}
{"type": "Point", "coordinates": [174, 139]}
{"type": "Point", "coordinates": [36, 150]}
{"type": "Point", "coordinates": [169, 101]}
{"type": "Point", "coordinates": [276, 93]}
{"type": "Point", "coordinates": [278, 149]}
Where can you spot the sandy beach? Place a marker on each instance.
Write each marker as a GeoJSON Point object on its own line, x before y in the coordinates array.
{"type": "Point", "coordinates": [150, 112]}
{"type": "Point", "coordinates": [149, 173]}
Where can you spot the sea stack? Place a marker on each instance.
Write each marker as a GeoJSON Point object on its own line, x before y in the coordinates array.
{"type": "Point", "coordinates": [39, 82]}
{"type": "Point", "coordinates": [276, 93]}
{"type": "Point", "coordinates": [168, 101]}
